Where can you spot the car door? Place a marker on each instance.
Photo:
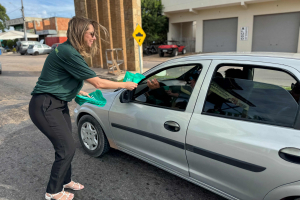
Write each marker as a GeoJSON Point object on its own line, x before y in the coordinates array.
{"type": "Point", "coordinates": [144, 127]}
{"type": "Point", "coordinates": [242, 128]}
{"type": "Point", "coordinates": [40, 49]}
{"type": "Point", "coordinates": [47, 49]}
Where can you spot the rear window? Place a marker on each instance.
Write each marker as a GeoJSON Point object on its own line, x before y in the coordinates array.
{"type": "Point", "coordinates": [255, 94]}
{"type": "Point", "coordinates": [30, 46]}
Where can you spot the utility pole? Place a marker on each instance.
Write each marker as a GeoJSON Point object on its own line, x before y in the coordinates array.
{"type": "Point", "coordinates": [24, 24]}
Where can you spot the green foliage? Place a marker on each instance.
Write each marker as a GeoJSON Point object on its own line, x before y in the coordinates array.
{"type": "Point", "coordinates": [9, 43]}
{"type": "Point", "coordinates": [154, 23]}
{"type": "Point", "coordinates": [3, 17]}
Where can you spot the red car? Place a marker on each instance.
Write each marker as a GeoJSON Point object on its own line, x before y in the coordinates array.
{"type": "Point", "coordinates": [172, 48]}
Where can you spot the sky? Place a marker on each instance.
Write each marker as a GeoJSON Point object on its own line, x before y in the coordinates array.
{"type": "Point", "coordinates": [39, 8]}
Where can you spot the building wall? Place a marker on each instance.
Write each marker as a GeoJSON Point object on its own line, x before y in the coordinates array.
{"type": "Point", "coordinates": [62, 23]}
{"type": "Point", "coordinates": [119, 17]}
{"type": "Point", "coordinates": [231, 9]}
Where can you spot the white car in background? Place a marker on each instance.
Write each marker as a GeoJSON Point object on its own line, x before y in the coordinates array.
{"type": "Point", "coordinates": [227, 122]}
{"type": "Point", "coordinates": [38, 49]}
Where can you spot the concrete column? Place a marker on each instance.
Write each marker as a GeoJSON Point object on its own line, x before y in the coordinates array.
{"type": "Point", "coordinates": [118, 29]}
{"type": "Point", "coordinates": [245, 20]}
{"type": "Point", "coordinates": [119, 17]}
{"type": "Point", "coordinates": [81, 10]}
{"type": "Point", "coordinates": [122, 33]}
{"type": "Point", "coordinates": [132, 12]}
{"type": "Point", "coordinates": [56, 28]}
{"type": "Point", "coordinates": [199, 35]}
{"type": "Point", "coordinates": [93, 14]}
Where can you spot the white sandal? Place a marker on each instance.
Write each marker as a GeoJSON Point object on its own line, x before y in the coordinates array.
{"type": "Point", "coordinates": [53, 195]}
{"type": "Point", "coordinates": [72, 187]}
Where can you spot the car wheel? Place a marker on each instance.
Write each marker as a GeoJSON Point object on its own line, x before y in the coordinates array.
{"type": "Point", "coordinates": [175, 52]}
{"type": "Point", "coordinates": [183, 51]}
{"type": "Point", "coordinates": [92, 136]}
{"type": "Point", "coordinates": [36, 53]}
{"type": "Point", "coordinates": [0, 71]}
{"type": "Point", "coordinates": [22, 54]}
{"type": "Point", "coordinates": [161, 54]}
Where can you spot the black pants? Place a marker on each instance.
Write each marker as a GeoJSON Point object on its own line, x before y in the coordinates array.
{"type": "Point", "coordinates": [52, 117]}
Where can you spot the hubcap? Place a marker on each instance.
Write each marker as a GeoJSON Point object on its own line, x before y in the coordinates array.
{"type": "Point", "coordinates": [89, 136]}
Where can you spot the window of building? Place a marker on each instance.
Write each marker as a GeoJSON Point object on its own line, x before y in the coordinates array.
{"type": "Point", "coordinates": [256, 94]}
{"type": "Point", "coordinates": [171, 88]}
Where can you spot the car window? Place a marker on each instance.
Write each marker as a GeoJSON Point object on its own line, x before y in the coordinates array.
{"type": "Point", "coordinates": [256, 94]}
{"type": "Point", "coordinates": [45, 46]}
{"type": "Point", "coordinates": [171, 88]}
{"type": "Point", "coordinates": [39, 46]}
{"type": "Point", "coordinates": [171, 73]}
{"type": "Point", "coordinates": [30, 46]}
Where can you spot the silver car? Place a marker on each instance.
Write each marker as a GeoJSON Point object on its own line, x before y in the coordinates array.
{"type": "Point", "coordinates": [38, 49]}
{"type": "Point", "coordinates": [226, 122]}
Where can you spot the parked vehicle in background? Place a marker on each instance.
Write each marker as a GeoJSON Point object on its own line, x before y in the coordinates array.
{"type": "Point", "coordinates": [53, 47]}
{"type": "Point", "coordinates": [38, 49]}
{"type": "Point", "coordinates": [0, 68]}
{"type": "Point", "coordinates": [150, 49]}
{"type": "Point", "coordinates": [172, 47]}
{"type": "Point", "coordinates": [227, 122]}
{"type": "Point", "coordinates": [23, 46]}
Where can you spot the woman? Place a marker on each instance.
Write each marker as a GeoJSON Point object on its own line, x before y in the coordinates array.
{"type": "Point", "coordinates": [61, 80]}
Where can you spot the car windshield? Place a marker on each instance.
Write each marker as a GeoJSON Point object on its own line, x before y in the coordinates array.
{"type": "Point", "coordinates": [30, 46]}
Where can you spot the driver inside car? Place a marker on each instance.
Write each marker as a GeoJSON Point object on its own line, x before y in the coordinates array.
{"type": "Point", "coordinates": [171, 96]}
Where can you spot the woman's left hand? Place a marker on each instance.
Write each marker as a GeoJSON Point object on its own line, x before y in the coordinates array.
{"type": "Point", "coordinates": [82, 93]}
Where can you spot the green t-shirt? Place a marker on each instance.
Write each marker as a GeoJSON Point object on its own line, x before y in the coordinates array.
{"type": "Point", "coordinates": [63, 73]}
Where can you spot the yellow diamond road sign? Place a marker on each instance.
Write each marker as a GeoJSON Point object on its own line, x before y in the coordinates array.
{"type": "Point", "coordinates": [139, 35]}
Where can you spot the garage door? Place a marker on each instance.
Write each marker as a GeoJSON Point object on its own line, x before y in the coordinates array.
{"type": "Point", "coordinates": [276, 33]}
{"type": "Point", "coordinates": [220, 35]}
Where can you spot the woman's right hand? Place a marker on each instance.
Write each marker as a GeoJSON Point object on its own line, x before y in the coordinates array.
{"type": "Point", "coordinates": [130, 85]}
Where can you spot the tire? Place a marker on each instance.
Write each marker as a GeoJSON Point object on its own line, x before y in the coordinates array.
{"type": "Point", "coordinates": [161, 54]}
{"type": "Point", "coordinates": [183, 51]}
{"type": "Point", "coordinates": [22, 54]}
{"type": "Point", "coordinates": [0, 71]}
{"type": "Point", "coordinates": [95, 145]}
{"type": "Point", "coordinates": [175, 52]}
{"type": "Point", "coordinates": [36, 53]}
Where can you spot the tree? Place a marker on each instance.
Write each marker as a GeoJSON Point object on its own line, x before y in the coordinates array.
{"type": "Point", "coordinates": [154, 24]}
{"type": "Point", "coordinates": [3, 17]}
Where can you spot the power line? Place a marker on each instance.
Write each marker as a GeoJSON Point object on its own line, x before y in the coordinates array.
{"type": "Point", "coordinates": [13, 10]}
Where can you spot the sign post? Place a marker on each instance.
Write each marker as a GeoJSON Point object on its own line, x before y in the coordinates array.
{"type": "Point", "coordinates": [139, 35]}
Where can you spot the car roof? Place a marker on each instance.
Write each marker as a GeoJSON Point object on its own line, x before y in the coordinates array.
{"type": "Point", "coordinates": [290, 59]}
{"type": "Point", "coordinates": [271, 57]}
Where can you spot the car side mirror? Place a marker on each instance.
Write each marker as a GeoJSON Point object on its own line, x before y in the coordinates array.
{"type": "Point", "coordinates": [126, 96]}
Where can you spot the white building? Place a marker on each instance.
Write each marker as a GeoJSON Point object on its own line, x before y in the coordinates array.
{"type": "Point", "coordinates": [235, 25]}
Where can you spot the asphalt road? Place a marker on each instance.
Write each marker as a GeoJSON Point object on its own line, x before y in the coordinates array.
{"type": "Point", "coordinates": [27, 155]}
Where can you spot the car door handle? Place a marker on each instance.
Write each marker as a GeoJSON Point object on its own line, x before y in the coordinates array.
{"type": "Point", "coordinates": [290, 154]}
{"type": "Point", "coordinates": [172, 126]}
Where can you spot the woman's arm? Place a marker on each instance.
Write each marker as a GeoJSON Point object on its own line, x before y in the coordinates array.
{"type": "Point", "coordinates": [106, 84]}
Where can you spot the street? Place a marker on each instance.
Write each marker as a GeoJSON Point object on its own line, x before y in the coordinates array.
{"type": "Point", "coordinates": [27, 155]}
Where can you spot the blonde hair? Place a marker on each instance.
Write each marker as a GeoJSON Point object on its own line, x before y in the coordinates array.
{"type": "Point", "coordinates": [77, 27]}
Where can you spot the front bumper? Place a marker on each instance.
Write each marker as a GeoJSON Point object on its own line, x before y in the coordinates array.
{"type": "Point", "coordinates": [166, 50]}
